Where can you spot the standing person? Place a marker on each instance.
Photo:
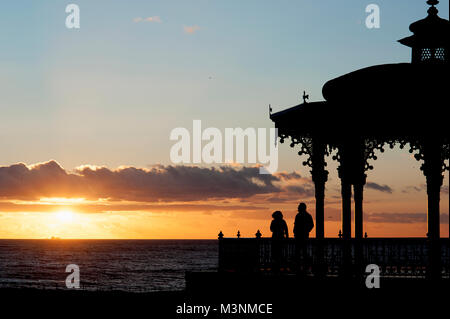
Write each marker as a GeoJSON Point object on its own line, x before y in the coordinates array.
{"type": "Point", "coordinates": [279, 230]}
{"type": "Point", "coordinates": [303, 223]}
{"type": "Point", "coordinates": [302, 227]}
{"type": "Point", "coordinates": [278, 227]}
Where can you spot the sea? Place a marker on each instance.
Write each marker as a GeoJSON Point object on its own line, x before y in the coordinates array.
{"type": "Point", "coordinates": [105, 265]}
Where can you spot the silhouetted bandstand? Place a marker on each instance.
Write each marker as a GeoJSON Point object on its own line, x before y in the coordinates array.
{"type": "Point", "coordinates": [363, 112]}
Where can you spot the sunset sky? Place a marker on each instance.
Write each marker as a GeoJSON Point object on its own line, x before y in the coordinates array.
{"type": "Point", "coordinates": [86, 115]}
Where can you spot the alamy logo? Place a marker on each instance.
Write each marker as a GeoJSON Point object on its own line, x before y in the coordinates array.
{"type": "Point", "coordinates": [373, 19]}
{"type": "Point", "coordinates": [73, 19]}
{"type": "Point", "coordinates": [373, 277]}
{"type": "Point", "coordinates": [230, 149]}
{"type": "Point", "coordinates": [73, 280]}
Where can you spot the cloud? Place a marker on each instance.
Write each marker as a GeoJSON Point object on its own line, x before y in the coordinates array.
{"type": "Point", "coordinates": [411, 189]}
{"type": "Point", "coordinates": [422, 188]}
{"type": "Point", "coordinates": [378, 187]}
{"type": "Point", "coordinates": [288, 176]}
{"type": "Point", "coordinates": [333, 214]}
{"type": "Point", "coordinates": [155, 184]}
{"type": "Point", "coordinates": [303, 190]}
{"type": "Point", "coordinates": [148, 19]}
{"type": "Point", "coordinates": [48, 179]}
{"type": "Point", "coordinates": [191, 29]}
{"type": "Point", "coordinates": [406, 218]}
{"type": "Point", "coordinates": [128, 207]}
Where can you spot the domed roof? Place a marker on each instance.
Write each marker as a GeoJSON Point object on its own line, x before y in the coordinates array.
{"type": "Point", "coordinates": [389, 82]}
{"type": "Point", "coordinates": [431, 31]}
{"type": "Point", "coordinates": [429, 24]}
{"type": "Point", "coordinates": [394, 98]}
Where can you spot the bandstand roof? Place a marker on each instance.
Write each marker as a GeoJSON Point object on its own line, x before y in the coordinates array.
{"type": "Point", "coordinates": [382, 100]}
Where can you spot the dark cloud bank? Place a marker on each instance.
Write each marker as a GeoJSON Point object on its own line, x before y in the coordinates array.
{"type": "Point", "coordinates": [159, 183]}
{"type": "Point", "coordinates": [379, 187]}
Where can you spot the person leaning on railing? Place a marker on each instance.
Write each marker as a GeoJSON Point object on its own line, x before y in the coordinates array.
{"type": "Point", "coordinates": [279, 230]}
{"type": "Point", "coordinates": [302, 227]}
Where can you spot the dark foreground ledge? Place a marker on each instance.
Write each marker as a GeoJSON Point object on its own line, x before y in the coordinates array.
{"type": "Point", "coordinates": [290, 296]}
{"type": "Point", "coordinates": [62, 303]}
{"type": "Point", "coordinates": [239, 283]}
{"type": "Point", "coordinates": [313, 297]}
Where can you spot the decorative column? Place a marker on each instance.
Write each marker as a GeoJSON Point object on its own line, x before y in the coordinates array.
{"type": "Point", "coordinates": [319, 177]}
{"type": "Point", "coordinates": [344, 170]}
{"type": "Point", "coordinates": [346, 218]}
{"type": "Point", "coordinates": [432, 152]}
{"type": "Point", "coordinates": [360, 153]}
{"type": "Point", "coordinates": [446, 157]}
{"type": "Point", "coordinates": [358, 196]}
{"type": "Point", "coordinates": [353, 155]}
{"type": "Point", "coordinates": [432, 169]}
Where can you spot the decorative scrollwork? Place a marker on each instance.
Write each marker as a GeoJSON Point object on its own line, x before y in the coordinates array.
{"type": "Point", "coordinates": [417, 148]}
{"type": "Point", "coordinates": [370, 146]}
{"type": "Point", "coordinates": [392, 142]}
{"type": "Point", "coordinates": [306, 148]}
{"type": "Point", "coordinates": [306, 145]}
{"type": "Point", "coordinates": [282, 137]}
{"type": "Point", "coordinates": [445, 157]}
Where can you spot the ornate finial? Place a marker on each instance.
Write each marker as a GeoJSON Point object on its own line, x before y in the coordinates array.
{"type": "Point", "coordinates": [340, 233]}
{"type": "Point", "coordinates": [270, 110]}
{"type": "Point", "coordinates": [305, 97]}
{"type": "Point", "coordinates": [258, 234]}
{"type": "Point", "coordinates": [365, 235]}
{"type": "Point", "coordinates": [220, 235]}
{"type": "Point", "coordinates": [432, 10]}
{"type": "Point", "coordinates": [238, 234]}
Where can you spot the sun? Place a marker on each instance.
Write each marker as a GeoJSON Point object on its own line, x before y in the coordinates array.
{"type": "Point", "coordinates": [65, 216]}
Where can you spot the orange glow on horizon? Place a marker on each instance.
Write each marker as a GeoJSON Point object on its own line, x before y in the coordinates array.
{"type": "Point", "coordinates": [67, 224]}
{"type": "Point", "coordinates": [61, 200]}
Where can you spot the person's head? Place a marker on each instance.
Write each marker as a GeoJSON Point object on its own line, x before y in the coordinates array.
{"type": "Point", "coordinates": [301, 207]}
{"type": "Point", "coordinates": [277, 215]}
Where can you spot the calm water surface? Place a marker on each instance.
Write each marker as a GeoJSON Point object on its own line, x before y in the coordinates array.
{"type": "Point", "coordinates": [130, 265]}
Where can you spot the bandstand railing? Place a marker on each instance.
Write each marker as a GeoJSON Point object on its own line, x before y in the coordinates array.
{"type": "Point", "coordinates": [395, 257]}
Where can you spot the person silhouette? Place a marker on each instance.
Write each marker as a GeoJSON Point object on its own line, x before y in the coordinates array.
{"type": "Point", "coordinates": [302, 226]}
{"type": "Point", "coordinates": [279, 230]}
{"type": "Point", "coordinates": [278, 227]}
{"type": "Point", "coordinates": [303, 223]}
